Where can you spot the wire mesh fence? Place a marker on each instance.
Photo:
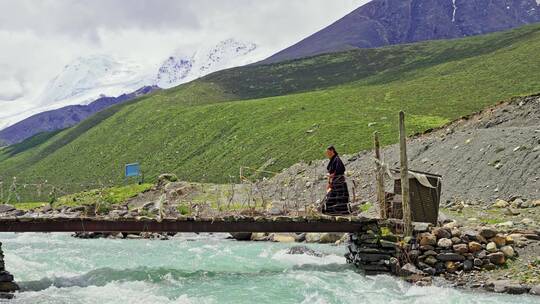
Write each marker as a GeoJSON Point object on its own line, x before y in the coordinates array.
{"type": "Point", "coordinates": [253, 192]}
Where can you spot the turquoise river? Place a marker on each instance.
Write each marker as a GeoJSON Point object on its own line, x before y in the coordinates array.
{"type": "Point", "coordinates": [56, 268]}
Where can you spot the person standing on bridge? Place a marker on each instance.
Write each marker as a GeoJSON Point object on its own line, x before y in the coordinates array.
{"type": "Point", "coordinates": [337, 194]}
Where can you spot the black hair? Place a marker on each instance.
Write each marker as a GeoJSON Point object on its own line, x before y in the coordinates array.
{"type": "Point", "coordinates": [333, 149]}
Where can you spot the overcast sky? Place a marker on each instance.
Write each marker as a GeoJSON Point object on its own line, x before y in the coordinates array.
{"type": "Point", "coordinates": [39, 37]}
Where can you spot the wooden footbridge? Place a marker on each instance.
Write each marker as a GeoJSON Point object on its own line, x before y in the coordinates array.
{"type": "Point", "coordinates": [188, 224]}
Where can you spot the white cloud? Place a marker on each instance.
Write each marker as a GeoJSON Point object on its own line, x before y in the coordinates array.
{"type": "Point", "coordinates": [38, 38]}
{"type": "Point", "coordinates": [11, 89]}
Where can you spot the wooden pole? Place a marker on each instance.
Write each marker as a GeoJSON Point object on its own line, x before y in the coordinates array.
{"type": "Point", "coordinates": [404, 176]}
{"type": "Point", "coordinates": [380, 178]}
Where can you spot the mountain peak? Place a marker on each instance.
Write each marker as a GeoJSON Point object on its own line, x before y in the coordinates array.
{"type": "Point", "coordinates": [388, 22]}
{"type": "Point", "coordinates": [184, 67]}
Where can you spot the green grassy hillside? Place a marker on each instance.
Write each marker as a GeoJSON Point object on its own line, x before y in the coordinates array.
{"type": "Point", "coordinates": [277, 115]}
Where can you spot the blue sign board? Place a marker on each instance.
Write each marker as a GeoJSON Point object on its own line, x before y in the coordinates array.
{"type": "Point", "coordinates": [133, 170]}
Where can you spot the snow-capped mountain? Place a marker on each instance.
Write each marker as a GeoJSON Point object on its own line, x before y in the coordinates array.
{"type": "Point", "coordinates": [88, 78]}
{"type": "Point", "coordinates": [186, 66]}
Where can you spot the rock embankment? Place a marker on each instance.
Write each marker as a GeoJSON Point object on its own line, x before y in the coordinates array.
{"type": "Point", "coordinates": [457, 254]}
{"type": "Point", "coordinates": [7, 283]}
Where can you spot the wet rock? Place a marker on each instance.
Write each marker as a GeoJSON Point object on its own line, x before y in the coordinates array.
{"type": "Point", "coordinates": [477, 262]}
{"type": "Point", "coordinates": [259, 236]}
{"type": "Point", "coordinates": [328, 238]}
{"type": "Point", "coordinates": [497, 258]}
{"type": "Point", "coordinates": [535, 290]}
{"type": "Point", "coordinates": [508, 251]}
{"type": "Point", "coordinates": [6, 276]}
{"type": "Point", "coordinates": [313, 237]}
{"type": "Point", "coordinates": [241, 236]}
{"type": "Point", "coordinates": [409, 269]}
{"type": "Point", "coordinates": [8, 287]}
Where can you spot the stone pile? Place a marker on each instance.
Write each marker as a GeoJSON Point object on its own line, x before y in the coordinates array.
{"type": "Point", "coordinates": [374, 250]}
{"type": "Point", "coordinates": [450, 249]}
{"type": "Point", "coordinates": [431, 251]}
{"type": "Point", "coordinates": [7, 284]}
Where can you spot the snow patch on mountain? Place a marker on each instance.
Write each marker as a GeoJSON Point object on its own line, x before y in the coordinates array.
{"type": "Point", "coordinates": [88, 78]}
{"type": "Point", "coordinates": [455, 9]}
{"type": "Point", "coordinates": [186, 66]}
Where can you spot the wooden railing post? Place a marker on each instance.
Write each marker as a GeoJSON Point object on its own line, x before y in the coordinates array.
{"type": "Point", "coordinates": [407, 222]}
{"type": "Point", "coordinates": [380, 178]}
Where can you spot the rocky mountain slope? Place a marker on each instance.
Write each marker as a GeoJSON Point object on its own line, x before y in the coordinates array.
{"type": "Point", "coordinates": [489, 155]}
{"type": "Point", "coordinates": [387, 22]}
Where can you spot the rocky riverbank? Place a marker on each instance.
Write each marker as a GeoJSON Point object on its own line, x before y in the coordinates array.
{"type": "Point", "coordinates": [7, 282]}
{"type": "Point", "coordinates": [461, 256]}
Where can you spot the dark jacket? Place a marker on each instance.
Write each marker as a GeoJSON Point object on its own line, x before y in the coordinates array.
{"type": "Point", "coordinates": [335, 166]}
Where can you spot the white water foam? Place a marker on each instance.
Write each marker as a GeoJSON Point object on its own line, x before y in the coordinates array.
{"type": "Point", "coordinates": [114, 292]}
{"type": "Point", "coordinates": [304, 259]}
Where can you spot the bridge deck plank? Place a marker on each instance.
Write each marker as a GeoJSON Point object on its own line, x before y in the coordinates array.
{"type": "Point", "coordinates": [280, 224]}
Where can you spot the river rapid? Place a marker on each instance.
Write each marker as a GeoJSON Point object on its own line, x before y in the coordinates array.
{"type": "Point", "coordinates": [189, 268]}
